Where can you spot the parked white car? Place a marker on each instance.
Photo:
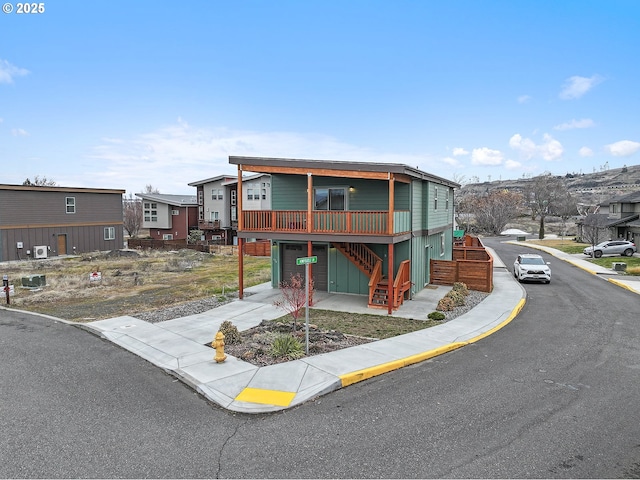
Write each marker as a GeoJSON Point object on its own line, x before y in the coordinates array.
{"type": "Point", "coordinates": [529, 266]}
{"type": "Point", "coordinates": [611, 247]}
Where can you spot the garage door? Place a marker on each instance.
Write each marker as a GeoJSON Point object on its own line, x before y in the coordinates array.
{"type": "Point", "coordinates": [291, 251]}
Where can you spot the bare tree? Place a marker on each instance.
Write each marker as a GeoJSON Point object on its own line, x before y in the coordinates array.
{"type": "Point", "coordinates": [491, 212]}
{"type": "Point", "coordinates": [566, 208]}
{"type": "Point", "coordinates": [543, 195]}
{"type": "Point", "coordinates": [40, 182]}
{"type": "Point", "coordinates": [132, 218]}
{"type": "Point", "coordinates": [151, 189]}
{"type": "Point", "coordinates": [593, 228]}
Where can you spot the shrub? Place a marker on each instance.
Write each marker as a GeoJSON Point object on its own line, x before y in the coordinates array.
{"type": "Point", "coordinates": [446, 304]}
{"type": "Point", "coordinates": [284, 345]}
{"type": "Point", "coordinates": [437, 316]}
{"type": "Point", "coordinates": [461, 287]}
{"type": "Point", "coordinates": [230, 331]}
{"type": "Point", "coordinates": [457, 297]}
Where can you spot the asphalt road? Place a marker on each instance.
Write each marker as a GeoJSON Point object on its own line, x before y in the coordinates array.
{"type": "Point", "coordinates": [555, 394]}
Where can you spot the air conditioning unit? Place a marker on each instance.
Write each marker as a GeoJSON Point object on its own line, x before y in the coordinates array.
{"type": "Point", "coordinates": [41, 251]}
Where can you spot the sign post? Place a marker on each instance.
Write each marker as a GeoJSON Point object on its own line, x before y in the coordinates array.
{"type": "Point", "coordinates": [5, 286]}
{"type": "Point", "coordinates": [306, 261]}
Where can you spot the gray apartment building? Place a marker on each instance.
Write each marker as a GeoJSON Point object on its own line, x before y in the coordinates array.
{"type": "Point", "coordinates": [37, 222]}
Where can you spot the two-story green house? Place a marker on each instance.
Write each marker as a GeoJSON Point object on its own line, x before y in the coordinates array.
{"type": "Point", "coordinates": [374, 227]}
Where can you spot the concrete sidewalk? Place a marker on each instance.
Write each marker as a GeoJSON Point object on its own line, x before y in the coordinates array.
{"type": "Point", "coordinates": [178, 345]}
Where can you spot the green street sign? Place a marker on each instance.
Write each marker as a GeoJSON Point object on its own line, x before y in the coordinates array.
{"type": "Point", "coordinates": [306, 260]}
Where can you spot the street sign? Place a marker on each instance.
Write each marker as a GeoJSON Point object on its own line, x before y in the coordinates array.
{"type": "Point", "coordinates": [306, 260]}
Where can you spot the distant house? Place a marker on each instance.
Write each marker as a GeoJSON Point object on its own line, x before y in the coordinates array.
{"type": "Point", "coordinates": [218, 204]}
{"type": "Point", "coordinates": [38, 222]}
{"type": "Point", "coordinates": [169, 217]}
{"type": "Point", "coordinates": [620, 220]}
{"type": "Point", "coordinates": [372, 227]}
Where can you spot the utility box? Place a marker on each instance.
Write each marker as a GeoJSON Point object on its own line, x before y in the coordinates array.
{"type": "Point", "coordinates": [619, 266]}
{"type": "Point", "coordinates": [33, 281]}
{"type": "Point", "coordinates": [521, 238]}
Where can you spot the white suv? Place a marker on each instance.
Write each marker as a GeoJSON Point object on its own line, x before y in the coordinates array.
{"type": "Point", "coordinates": [529, 266]}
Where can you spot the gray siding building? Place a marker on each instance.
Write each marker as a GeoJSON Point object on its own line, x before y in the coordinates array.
{"type": "Point", "coordinates": [38, 222]}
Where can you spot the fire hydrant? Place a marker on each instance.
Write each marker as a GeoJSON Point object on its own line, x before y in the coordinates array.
{"type": "Point", "coordinates": [218, 344]}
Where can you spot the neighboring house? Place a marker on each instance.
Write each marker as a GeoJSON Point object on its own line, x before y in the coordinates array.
{"type": "Point", "coordinates": [39, 221]}
{"type": "Point", "coordinates": [169, 217]}
{"type": "Point", "coordinates": [622, 220]}
{"type": "Point", "coordinates": [374, 227]}
{"type": "Point", "coordinates": [218, 204]}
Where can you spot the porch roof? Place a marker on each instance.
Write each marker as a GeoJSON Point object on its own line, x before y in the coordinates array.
{"type": "Point", "coordinates": [334, 168]}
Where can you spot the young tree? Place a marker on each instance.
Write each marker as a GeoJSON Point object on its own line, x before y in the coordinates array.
{"type": "Point", "coordinates": [543, 195]}
{"type": "Point", "coordinates": [132, 215]}
{"type": "Point", "coordinates": [294, 296]}
{"type": "Point", "coordinates": [567, 207]}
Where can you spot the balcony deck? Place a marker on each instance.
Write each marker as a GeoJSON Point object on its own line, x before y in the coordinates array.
{"type": "Point", "coordinates": [339, 222]}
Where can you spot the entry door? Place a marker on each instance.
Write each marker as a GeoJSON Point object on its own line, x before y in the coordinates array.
{"type": "Point", "coordinates": [62, 244]}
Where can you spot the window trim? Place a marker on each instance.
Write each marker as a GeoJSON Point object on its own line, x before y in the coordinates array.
{"type": "Point", "coordinates": [70, 207]}
{"type": "Point", "coordinates": [109, 233]}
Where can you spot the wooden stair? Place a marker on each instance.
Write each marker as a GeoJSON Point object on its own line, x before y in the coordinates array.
{"type": "Point", "coordinates": [371, 265]}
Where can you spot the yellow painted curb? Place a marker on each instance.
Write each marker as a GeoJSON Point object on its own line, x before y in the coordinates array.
{"type": "Point", "coordinates": [266, 397]}
{"type": "Point", "coordinates": [622, 284]}
{"type": "Point", "coordinates": [366, 373]}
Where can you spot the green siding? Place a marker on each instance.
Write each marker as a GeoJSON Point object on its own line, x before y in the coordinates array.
{"type": "Point", "coordinates": [442, 215]}
{"type": "Point", "coordinates": [418, 206]}
{"type": "Point", "coordinates": [344, 276]}
{"type": "Point", "coordinates": [288, 192]}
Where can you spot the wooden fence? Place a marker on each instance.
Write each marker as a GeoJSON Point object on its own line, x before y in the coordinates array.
{"type": "Point", "coordinates": [471, 264]}
{"type": "Point", "coordinates": [260, 248]}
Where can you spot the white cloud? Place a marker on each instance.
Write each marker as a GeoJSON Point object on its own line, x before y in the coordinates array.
{"type": "Point", "coordinates": [486, 156]}
{"type": "Point", "coordinates": [585, 152]}
{"type": "Point", "coordinates": [172, 157]}
{"type": "Point", "coordinates": [19, 132]}
{"type": "Point", "coordinates": [576, 86]}
{"type": "Point", "coordinates": [524, 99]}
{"type": "Point", "coordinates": [582, 123]}
{"type": "Point", "coordinates": [458, 151]}
{"type": "Point", "coordinates": [9, 71]}
{"type": "Point", "coordinates": [623, 148]}
{"type": "Point", "coordinates": [550, 149]}
{"type": "Point", "coordinates": [525, 146]}
{"type": "Point", "coordinates": [512, 164]}
{"type": "Point", "coordinates": [451, 161]}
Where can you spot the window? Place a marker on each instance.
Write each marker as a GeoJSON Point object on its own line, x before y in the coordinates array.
{"type": "Point", "coordinates": [214, 216]}
{"type": "Point", "coordinates": [167, 236]}
{"type": "Point", "coordinates": [109, 233]}
{"type": "Point", "coordinates": [329, 199]}
{"type": "Point", "coordinates": [264, 193]}
{"type": "Point", "coordinates": [216, 194]}
{"type": "Point", "coordinates": [442, 244]}
{"type": "Point", "coordinates": [70, 204]}
{"type": "Point", "coordinates": [266, 184]}
{"type": "Point", "coordinates": [200, 213]}
{"type": "Point", "coordinates": [150, 212]}
{"type": "Point", "coordinates": [435, 201]}
{"type": "Point", "coordinates": [175, 212]}
{"type": "Point", "coordinates": [250, 194]}
{"type": "Point", "coordinates": [613, 208]}
{"type": "Point", "coordinates": [446, 201]}
{"type": "Point", "coordinates": [200, 197]}
{"type": "Point", "coordinates": [234, 214]}
{"type": "Point", "coordinates": [233, 197]}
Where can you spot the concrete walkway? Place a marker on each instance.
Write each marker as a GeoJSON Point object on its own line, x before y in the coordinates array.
{"type": "Point", "coordinates": [178, 345]}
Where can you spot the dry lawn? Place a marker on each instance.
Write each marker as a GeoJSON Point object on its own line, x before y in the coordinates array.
{"type": "Point", "coordinates": [132, 281]}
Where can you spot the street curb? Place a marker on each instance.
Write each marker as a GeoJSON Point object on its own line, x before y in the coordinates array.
{"type": "Point", "coordinates": [366, 373]}
{"type": "Point", "coordinates": [623, 285]}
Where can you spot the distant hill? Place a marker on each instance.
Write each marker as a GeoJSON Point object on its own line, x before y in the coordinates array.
{"type": "Point", "coordinates": [591, 188]}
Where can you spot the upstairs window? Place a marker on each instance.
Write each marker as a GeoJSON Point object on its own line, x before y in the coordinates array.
{"type": "Point", "coordinates": [233, 197]}
{"type": "Point", "coordinates": [250, 194]}
{"type": "Point", "coordinates": [435, 200]}
{"type": "Point", "coordinates": [109, 233]}
{"type": "Point", "coordinates": [329, 199]}
{"type": "Point", "coordinates": [70, 203]}
{"type": "Point", "coordinates": [175, 212]}
{"type": "Point", "coordinates": [446, 201]}
{"type": "Point", "coordinates": [200, 197]}
{"type": "Point", "coordinates": [150, 212]}
{"type": "Point", "coordinates": [264, 194]}
{"type": "Point", "coordinates": [216, 194]}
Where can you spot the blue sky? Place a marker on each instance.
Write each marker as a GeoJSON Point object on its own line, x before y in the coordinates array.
{"type": "Point", "coordinates": [123, 94]}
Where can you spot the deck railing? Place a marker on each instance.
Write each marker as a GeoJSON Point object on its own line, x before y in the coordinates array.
{"type": "Point", "coordinates": [351, 222]}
